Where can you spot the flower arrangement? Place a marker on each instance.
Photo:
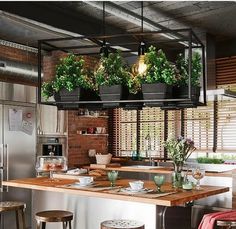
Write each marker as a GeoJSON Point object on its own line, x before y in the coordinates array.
{"type": "Point", "coordinates": [179, 149]}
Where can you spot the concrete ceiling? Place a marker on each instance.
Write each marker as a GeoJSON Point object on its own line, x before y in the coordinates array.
{"type": "Point", "coordinates": [61, 19]}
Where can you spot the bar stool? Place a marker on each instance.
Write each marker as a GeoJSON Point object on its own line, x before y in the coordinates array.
{"type": "Point", "coordinates": [54, 216]}
{"type": "Point", "coordinates": [122, 224]}
{"type": "Point", "coordinates": [227, 224]}
{"type": "Point", "coordinates": [19, 208]}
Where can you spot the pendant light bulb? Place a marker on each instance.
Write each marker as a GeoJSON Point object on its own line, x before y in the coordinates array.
{"type": "Point", "coordinates": [142, 67]}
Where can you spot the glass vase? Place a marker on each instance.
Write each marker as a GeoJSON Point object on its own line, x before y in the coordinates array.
{"type": "Point", "coordinates": [177, 178]}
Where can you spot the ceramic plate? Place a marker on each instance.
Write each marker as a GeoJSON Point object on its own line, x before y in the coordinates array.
{"type": "Point", "coordinates": [84, 185]}
{"type": "Point", "coordinates": [130, 190]}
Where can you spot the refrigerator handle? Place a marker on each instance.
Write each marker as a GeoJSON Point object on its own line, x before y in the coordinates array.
{"type": "Point", "coordinates": [1, 177]}
{"type": "Point", "coordinates": [6, 168]}
{"type": "Point", "coordinates": [1, 155]}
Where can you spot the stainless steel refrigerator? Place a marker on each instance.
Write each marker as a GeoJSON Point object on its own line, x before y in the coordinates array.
{"type": "Point", "coordinates": [17, 155]}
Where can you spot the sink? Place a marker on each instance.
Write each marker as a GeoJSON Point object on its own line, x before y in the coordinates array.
{"type": "Point", "coordinates": [142, 167]}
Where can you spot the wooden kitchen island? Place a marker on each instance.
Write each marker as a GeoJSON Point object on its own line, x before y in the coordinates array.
{"type": "Point", "coordinates": [92, 205]}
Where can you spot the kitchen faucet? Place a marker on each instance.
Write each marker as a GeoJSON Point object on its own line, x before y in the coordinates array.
{"type": "Point", "coordinates": [148, 148]}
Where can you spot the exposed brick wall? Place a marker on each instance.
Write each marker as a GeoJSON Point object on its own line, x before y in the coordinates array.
{"type": "Point", "coordinates": [50, 62]}
{"type": "Point", "coordinates": [79, 144]}
{"type": "Point", "coordinates": [18, 55]}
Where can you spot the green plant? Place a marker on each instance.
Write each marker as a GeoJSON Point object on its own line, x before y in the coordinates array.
{"type": "Point", "coordinates": [111, 70]}
{"type": "Point", "coordinates": [208, 160]}
{"type": "Point", "coordinates": [133, 84]}
{"type": "Point", "coordinates": [159, 69]}
{"type": "Point", "coordinates": [183, 73]}
{"type": "Point", "coordinates": [179, 149]}
{"type": "Point", "coordinates": [71, 73]}
{"type": "Point", "coordinates": [47, 90]}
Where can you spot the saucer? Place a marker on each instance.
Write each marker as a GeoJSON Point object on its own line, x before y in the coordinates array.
{"type": "Point", "coordinates": [84, 185]}
{"type": "Point", "coordinates": [130, 190]}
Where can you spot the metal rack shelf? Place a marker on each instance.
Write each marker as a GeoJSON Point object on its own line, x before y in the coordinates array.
{"type": "Point", "coordinates": [181, 39]}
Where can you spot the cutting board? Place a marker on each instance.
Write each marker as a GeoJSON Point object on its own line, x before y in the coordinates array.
{"type": "Point", "coordinates": [102, 166]}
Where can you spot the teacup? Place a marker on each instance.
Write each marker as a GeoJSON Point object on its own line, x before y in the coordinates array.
{"type": "Point", "coordinates": [85, 180]}
{"type": "Point", "coordinates": [136, 185]}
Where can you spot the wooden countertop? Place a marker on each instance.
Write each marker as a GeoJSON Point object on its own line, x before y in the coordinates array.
{"type": "Point", "coordinates": [62, 185]}
{"type": "Point", "coordinates": [164, 170]}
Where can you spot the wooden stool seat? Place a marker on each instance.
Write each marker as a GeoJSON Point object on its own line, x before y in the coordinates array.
{"type": "Point", "coordinates": [19, 208]}
{"type": "Point", "coordinates": [226, 223]}
{"type": "Point", "coordinates": [11, 206]}
{"type": "Point", "coordinates": [122, 224]}
{"type": "Point", "coordinates": [54, 216]}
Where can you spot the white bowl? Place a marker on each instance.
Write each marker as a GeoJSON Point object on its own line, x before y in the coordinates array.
{"type": "Point", "coordinates": [103, 158]}
{"type": "Point", "coordinates": [136, 185]}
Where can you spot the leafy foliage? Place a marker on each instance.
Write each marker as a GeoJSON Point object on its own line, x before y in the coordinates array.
{"type": "Point", "coordinates": [111, 71]}
{"type": "Point", "coordinates": [70, 73]}
{"type": "Point", "coordinates": [133, 84]}
{"type": "Point", "coordinates": [159, 69]}
{"type": "Point", "coordinates": [47, 90]}
{"type": "Point", "coordinates": [208, 160]}
{"type": "Point", "coordinates": [182, 70]}
{"type": "Point", "coordinates": [179, 149]}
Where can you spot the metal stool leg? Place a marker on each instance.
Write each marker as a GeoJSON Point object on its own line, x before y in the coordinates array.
{"type": "Point", "coordinates": [64, 225]}
{"type": "Point", "coordinates": [43, 225]}
{"type": "Point", "coordinates": [70, 225]}
{"type": "Point", "coordinates": [23, 218]}
{"type": "Point", "coordinates": [17, 219]}
{"type": "Point", "coordinates": [38, 224]}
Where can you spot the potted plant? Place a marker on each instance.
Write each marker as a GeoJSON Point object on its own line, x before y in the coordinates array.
{"type": "Point", "coordinates": [47, 90]}
{"type": "Point", "coordinates": [134, 92]}
{"type": "Point", "coordinates": [178, 149]}
{"type": "Point", "coordinates": [111, 76]}
{"type": "Point", "coordinates": [159, 77]}
{"type": "Point", "coordinates": [71, 77]}
{"type": "Point", "coordinates": [182, 85]}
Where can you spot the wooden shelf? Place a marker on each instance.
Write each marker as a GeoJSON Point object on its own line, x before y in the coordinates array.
{"type": "Point", "coordinates": [95, 134]}
{"type": "Point", "coordinates": [91, 116]}
{"type": "Point", "coordinates": [46, 135]}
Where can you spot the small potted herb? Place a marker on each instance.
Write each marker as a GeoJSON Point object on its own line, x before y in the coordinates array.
{"type": "Point", "coordinates": [182, 84]}
{"type": "Point", "coordinates": [110, 77]}
{"type": "Point", "coordinates": [159, 77]}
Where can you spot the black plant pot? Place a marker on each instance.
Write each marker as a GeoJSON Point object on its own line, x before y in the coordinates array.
{"type": "Point", "coordinates": [67, 96]}
{"type": "Point", "coordinates": [112, 93]}
{"type": "Point", "coordinates": [182, 93]}
{"type": "Point", "coordinates": [57, 97]}
{"type": "Point", "coordinates": [156, 91]}
{"type": "Point", "coordinates": [134, 105]}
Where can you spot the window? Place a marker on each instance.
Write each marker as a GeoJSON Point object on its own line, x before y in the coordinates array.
{"type": "Point", "coordinates": [211, 127]}
{"type": "Point", "coordinates": [130, 125]}
{"type": "Point", "coordinates": [226, 126]}
{"type": "Point", "coordinates": [199, 126]}
{"type": "Point", "coordinates": [151, 123]}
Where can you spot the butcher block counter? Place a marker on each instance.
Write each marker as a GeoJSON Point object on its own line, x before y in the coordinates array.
{"type": "Point", "coordinates": [175, 198]}
{"type": "Point", "coordinates": [92, 205]}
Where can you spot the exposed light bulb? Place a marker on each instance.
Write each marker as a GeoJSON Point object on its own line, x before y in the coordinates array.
{"type": "Point", "coordinates": [142, 67]}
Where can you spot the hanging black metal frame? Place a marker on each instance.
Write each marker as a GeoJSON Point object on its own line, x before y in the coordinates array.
{"type": "Point", "coordinates": [97, 40]}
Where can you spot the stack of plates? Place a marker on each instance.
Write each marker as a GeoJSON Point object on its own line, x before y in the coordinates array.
{"type": "Point", "coordinates": [134, 191]}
